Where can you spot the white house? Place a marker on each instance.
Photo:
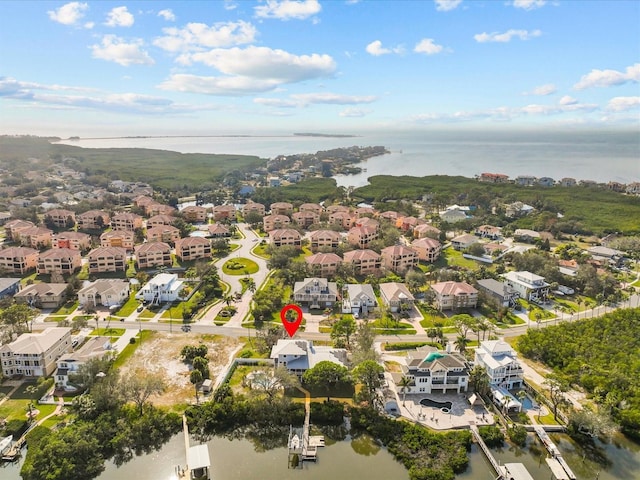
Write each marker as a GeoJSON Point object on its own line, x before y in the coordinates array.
{"type": "Point", "coordinates": [529, 286]}
{"type": "Point", "coordinates": [431, 370]}
{"type": "Point", "coordinates": [69, 363]}
{"type": "Point", "coordinates": [164, 287]}
{"type": "Point", "coordinates": [315, 292]}
{"type": "Point", "coordinates": [501, 363]}
{"type": "Point", "coordinates": [358, 299]}
{"type": "Point", "coordinates": [298, 356]}
{"type": "Point", "coordinates": [105, 292]}
{"type": "Point", "coordinates": [35, 354]}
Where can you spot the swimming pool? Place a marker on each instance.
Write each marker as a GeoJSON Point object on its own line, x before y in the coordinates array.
{"type": "Point", "coordinates": [427, 402]}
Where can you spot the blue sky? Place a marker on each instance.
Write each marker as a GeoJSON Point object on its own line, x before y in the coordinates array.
{"type": "Point", "coordinates": [339, 66]}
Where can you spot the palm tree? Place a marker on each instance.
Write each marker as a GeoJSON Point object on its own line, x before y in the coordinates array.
{"type": "Point", "coordinates": [461, 343]}
{"type": "Point", "coordinates": [405, 383]}
{"type": "Point", "coordinates": [196, 378]}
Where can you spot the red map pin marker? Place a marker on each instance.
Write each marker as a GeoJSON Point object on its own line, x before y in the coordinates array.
{"type": "Point", "coordinates": [291, 326]}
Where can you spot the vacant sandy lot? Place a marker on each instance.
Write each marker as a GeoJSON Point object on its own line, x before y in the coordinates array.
{"type": "Point", "coordinates": [161, 354]}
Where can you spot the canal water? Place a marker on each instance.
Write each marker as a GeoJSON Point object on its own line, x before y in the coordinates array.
{"type": "Point", "coordinates": [346, 459]}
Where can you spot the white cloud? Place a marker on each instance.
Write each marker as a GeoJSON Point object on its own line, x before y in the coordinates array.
{"type": "Point", "coordinates": [115, 49]}
{"type": "Point", "coordinates": [528, 4]}
{"type": "Point", "coordinates": [620, 104]}
{"type": "Point", "coordinates": [288, 9]}
{"type": "Point", "coordinates": [68, 14]}
{"type": "Point", "coordinates": [167, 14]}
{"type": "Point", "coordinates": [273, 66]}
{"type": "Point", "coordinates": [354, 112]}
{"type": "Point", "coordinates": [447, 5]}
{"type": "Point", "coordinates": [546, 89]}
{"type": "Point", "coordinates": [376, 49]}
{"type": "Point", "coordinates": [332, 98]}
{"type": "Point", "coordinates": [230, 5]}
{"type": "Point", "coordinates": [224, 86]}
{"type": "Point", "coordinates": [119, 17]}
{"type": "Point", "coordinates": [567, 100]}
{"type": "Point", "coordinates": [276, 102]}
{"type": "Point", "coordinates": [195, 35]}
{"type": "Point", "coordinates": [428, 47]}
{"type": "Point", "coordinates": [608, 78]}
{"type": "Point", "coordinates": [506, 36]}
{"type": "Point", "coordinates": [89, 25]}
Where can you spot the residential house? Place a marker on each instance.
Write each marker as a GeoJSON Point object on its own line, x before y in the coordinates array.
{"type": "Point", "coordinates": [42, 295]}
{"type": "Point", "coordinates": [499, 293]}
{"type": "Point", "coordinates": [163, 233]}
{"type": "Point", "coordinates": [453, 216]}
{"type": "Point", "coordinates": [141, 201]}
{"type": "Point", "coordinates": [426, 230]}
{"type": "Point", "coordinates": [428, 249]}
{"type": "Point", "coordinates": [9, 287]}
{"type": "Point", "coordinates": [488, 231]}
{"type": "Point", "coordinates": [59, 260]}
{"type": "Point", "coordinates": [153, 254]}
{"type": "Point", "coordinates": [274, 222]}
{"type": "Point", "coordinates": [336, 208]}
{"type": "Point", "coordinates": [358, 299]}
{"type": "Point", "coordinates": [69, 364]}
{"type": "Point", "coordinates": [12, 227]}
{"type": "Point", "coordinates": [323, 264]}
{"type": "Point", "coordinates": [18, 259]}
{"type": "Point", "coordinates": [616, 187]}
{"type": "Point", "coordinates": [224, 212]}
{"type": "Point", "coordinates": [364, 211]}
{"type": "Point", "coordinates": [361, 237]}
{"type": "Point", "coordinates": [253, 207]}
{"type": "Point", "coordinates": [434, 371]}
{"type": "Point", "coordinates": [93, 220]}
{"type": "Point", "coordinates": [517, 209]}
{"type": "Point", "coordinates": [193, 248]}
{"type": "Point", "coordinates": [60, 218]}
{"type": "Point", "coordinates": [161, 220]}
{"type": "Point", "coordinates": [324, 239]}
{"type": "Point", "coordinates": [218, 230]}
{"type": "Point", "coordinates": [285, 236]}
{"type": "Point", "coordinates": [399, 258]}
{"type": "Point", "coordinates": [35, 354]}
{"type": "Point", "coordinates": [107, 259]}
{"type": "Point", "coordinates": [633, 188]}
{"type": "Point", "coordinates": [315, 292]}
{"type": "Point", "coordinates": [104, 292]}
{"type": "Point", "coordinates": [493, 178]}
{"type": "Point", "coordinates": [568, 267]}
{"type": "Point", "coordinates": [156, 208]}
{"type": "Point", "coordinates": [529, 286]}
{"type": "Point", "coordinates": [306, 218]}
{"type": "Point", "coordinates": [501, 364]}
{"type": "Point", "coordinates": [298, 356]}
{"type": "Point", "coordinates": [546, 182]}
{"type": "Point", "coordinates": [367, 222]}
{"type": "Point", "coordinates": [281, 208]}
{"type": "Point", "coordinates": [118, 238]}
{"type": "Point", "coordinates": [568, 182]}
{"type": "Point", "coordinates": [35, 237]}
{"type": "Point", "coordinates": [195, 214]}
{"type": "Point", "coordinates": [464, 241]}
{"type": "Point", "coordinates": [526, 235]}
{"type": "Point", "coordinates": [396, 296]}
{"type": "Point", "coordinates": [126, 221]}
{"type": "Point", "coordinates": [607, 255]}
{"type": "Point", "coordinates": [164, 287]}
{"type": "Point", "coordinates": [454, 295]}
{"type": "Point", "coordinates": [311, 207]}
{"type": "Point", "coordinates": [73, 240]}
{"type": "Point", "coordinates": [407, 224]}
{"type": "Point", "coordinates": [364, 261]}
{"type": "Point", "coordinates": [492, 247]}
{"type": "Point", "coordinates": [525, 180]}
{"type": "Point", "coordinates": [342, 218]}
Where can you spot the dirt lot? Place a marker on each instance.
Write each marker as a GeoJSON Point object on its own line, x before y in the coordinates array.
{"type": "Point", "coordinates": [162, 354]}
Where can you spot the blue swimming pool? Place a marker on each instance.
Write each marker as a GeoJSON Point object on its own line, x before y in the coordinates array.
{"type": "Point", "coordinates": [427, 402]}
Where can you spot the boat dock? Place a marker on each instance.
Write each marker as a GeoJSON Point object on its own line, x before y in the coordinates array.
{"type": "Point", "coordinates": [562, 473]}
{"type": "Point", "coordinates": [508, 471]}
{"type": "Point", "coordinates": [302, 446]}
{"type": "Point", "coordinates": [198, 462]}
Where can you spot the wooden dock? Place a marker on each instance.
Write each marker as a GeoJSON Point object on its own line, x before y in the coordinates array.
{"type": "Point", "coordinates": [303, 447]}
{"type": "Point", "coordinates": [555, 454]}
{"type": "Point", "coordinates": [483, 446]}
{"type": "Point", "coordinates": [198, 463]}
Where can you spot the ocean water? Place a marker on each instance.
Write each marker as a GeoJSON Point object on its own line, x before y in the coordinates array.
{"type": "Point", "coordinates": [599, 155]}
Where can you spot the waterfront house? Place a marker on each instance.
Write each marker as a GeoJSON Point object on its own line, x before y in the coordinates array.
{"type": "Point", "coordinates": [525, 180]}
{"type": "Point", "coordinates": [501, 364]}
{"type": "Point", "coordinates": [42, 295]}
{"type": "Point", "coordinates": [396, 296]}
{"type": "Point", "coordinates": [434, 371]}
{"type": "Point", "coordinates": [69, 363]}
{"type": "Point", "coordinates": [454, 295]}
{"type": "Point", "coordinates": [298, 356]}
{"type": "Point", "coordinates": [315, 292]}
{"type": "Point", "coordinates": [35, 354]}
{"type": "Point", "coordinates": [104, 292]}
{"type": "Point", "coordinates": [493, 178]}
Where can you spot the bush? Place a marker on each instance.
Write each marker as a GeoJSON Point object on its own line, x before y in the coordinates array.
{"type": "Point", "coordinates": [15, 427]}
{"type": "Point", "coordinates": [132, 340]}
{"type": "Point", "coordinates": [518, 435]}
{"type": "Point", "coordinates": [404, 346]}
{"type": "Point", "coordinates": [492, 436]}
{"type": "Point", "coordinates": [327, 413]}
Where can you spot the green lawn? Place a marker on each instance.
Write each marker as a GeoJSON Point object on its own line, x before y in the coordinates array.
{"type": "Point", "coordinates": [261, 251]}
{"type": "Point", "coordinates": [146, 314]}
{"type": "Point", "coordinates": [108, 332]}
{"type": "Point", "coordinates": [240, 266]}
{"type": "Point", "coordinates": [129, 307]}
{"type": "Point", "coordinates": [389, 327]}
{"type": "Point", "coordinates": [454, 258]}
{"type": "Point", "coordinates": [128, 351]}
{"type": "Point", "coordinates": [66, 309]}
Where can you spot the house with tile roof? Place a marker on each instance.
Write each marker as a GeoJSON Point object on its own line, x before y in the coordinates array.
{"type": "Point", "coordinates": [59, 260]}
{"type": "Point", "coordinates": [364, 261]}
{"type": "Point", "coordinates": [323, 264]}
{"type": "Point", "coordinates": [18, 260]}
{"type": "Point", "coordinates": [153, 254]}
{"type": "Point", "coordinates": [454, 295]}
{"type": "Point", "coordinates": [107, 259]}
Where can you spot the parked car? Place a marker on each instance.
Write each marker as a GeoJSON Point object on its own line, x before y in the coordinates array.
{"type": "Point", "coordinates": [140, 308]}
